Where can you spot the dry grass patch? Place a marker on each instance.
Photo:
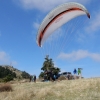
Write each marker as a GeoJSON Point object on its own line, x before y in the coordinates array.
{"type": "Point", "coordinates": [84, 89]}
{"type": "Point", "coordinates": [5, 88]}
{"type": "Point", "coordinates": [62, 78]}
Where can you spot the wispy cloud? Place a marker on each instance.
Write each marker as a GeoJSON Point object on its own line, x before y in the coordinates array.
{"type": "Point", "coordinates": [91, 26]}
{"type": "Point", "coordinates": [36, 25]}
{"type": "Point", "coordinates": [5, 58]}
{"type": "Point", "coordinates": [81, 37]}
{"type": "Point", "coordinates": [45, 5]}
{"type": "Point", "coordinates": [94, 24]}
{"type": "Point", "coordinates": [80, 54]}
{"type": "Point", "coordinates": [14, 63]}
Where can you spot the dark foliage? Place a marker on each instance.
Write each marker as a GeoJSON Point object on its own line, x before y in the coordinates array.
{"type": "Point", "coordinates": [41, 75]}
{"type": "Point", "coordinates": [6, 74]}
{"type": "Point", "coordinates": [25, 75]}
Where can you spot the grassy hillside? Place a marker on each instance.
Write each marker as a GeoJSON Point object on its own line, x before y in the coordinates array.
{"type": "Point", "coordinates": [18, 72]}
{"type": "Point", "coordinates": [81, 89]}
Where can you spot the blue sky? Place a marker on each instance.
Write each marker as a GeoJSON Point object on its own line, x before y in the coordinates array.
{"type": "Point", "coordinates": [19, 23]}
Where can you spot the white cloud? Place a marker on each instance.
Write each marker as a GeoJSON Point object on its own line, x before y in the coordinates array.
{"type": "Point", "coordinates": [45, 5]}
{"type": "Point", "coordinates": [36, 25]}
{"type": "Point", "coordinates": [91, 26]}
{"type": "Point", "coordinates": [95, 56]}
{"type": "Point", "coordinates": [80, 54]}
{"type": "Point", "coordinates": [81, 37]}
{"type": "Point", "coordinates": [13, 63]}
{"type": "Point", "coordinates": [94, 24]}
{"type": "Point", "coordinates": [5, 58]}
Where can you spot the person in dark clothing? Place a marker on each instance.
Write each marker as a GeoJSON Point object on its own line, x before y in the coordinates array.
{"type": "Point", "coordinates": [35, 78]}
{"type": "Point", "coordinates": [68, 77]}
{"type": "Point", "coordinates": [30, 78]}
{"type": "Point", "coordinates": [51, 76]}
{"type": "Point", "coordinates": [75, 72]}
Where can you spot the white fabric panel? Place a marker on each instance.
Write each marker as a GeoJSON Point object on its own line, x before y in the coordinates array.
{"type": "Point", "coordinates": [59, 22]}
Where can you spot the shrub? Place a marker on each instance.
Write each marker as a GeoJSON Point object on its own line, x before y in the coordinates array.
{"type": "Point", "coordinates": [8, 78]}
{"type": "Point", "coordinates": [25, 75]}
{"type": "Point", "coordinates": [5, 88]}
{"type": "Point", "coordinates": [62, 78]}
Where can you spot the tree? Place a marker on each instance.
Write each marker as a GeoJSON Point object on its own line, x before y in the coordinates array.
{"type": "Point", "coordinates": [41, 75]}
{"type": "Point", "coordinates": [48, 65]}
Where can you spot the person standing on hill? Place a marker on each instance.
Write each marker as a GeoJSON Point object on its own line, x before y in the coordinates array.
{"type": "Point", "coordinates": [52, 76]}
{"type": "Point", "coordinates": [30, 78]}
{"type": "Point", "coordinates": [79, 72]}
{"type": "Point", "coordinates": [35, 78]}
{"type": "Point", "coordinates": [75, 72]}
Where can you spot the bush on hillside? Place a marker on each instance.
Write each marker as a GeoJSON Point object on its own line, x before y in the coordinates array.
{"type": "Point", "coordinates": [25, 75]}
{"type": "Point", "coordinates": [8, 78]}
{"type": "Point", "coordinates": [4, 72]}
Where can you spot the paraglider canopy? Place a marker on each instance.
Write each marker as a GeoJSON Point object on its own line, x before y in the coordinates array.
{"type": "Point", "coordinates": [57, 17]}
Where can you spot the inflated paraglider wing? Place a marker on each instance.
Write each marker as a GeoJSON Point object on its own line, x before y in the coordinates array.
{"type": "Point", "coordinates": [57, 18]}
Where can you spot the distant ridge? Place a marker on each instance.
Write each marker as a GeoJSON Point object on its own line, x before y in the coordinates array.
{"type": "Point", "coordinates": [18, 72]}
